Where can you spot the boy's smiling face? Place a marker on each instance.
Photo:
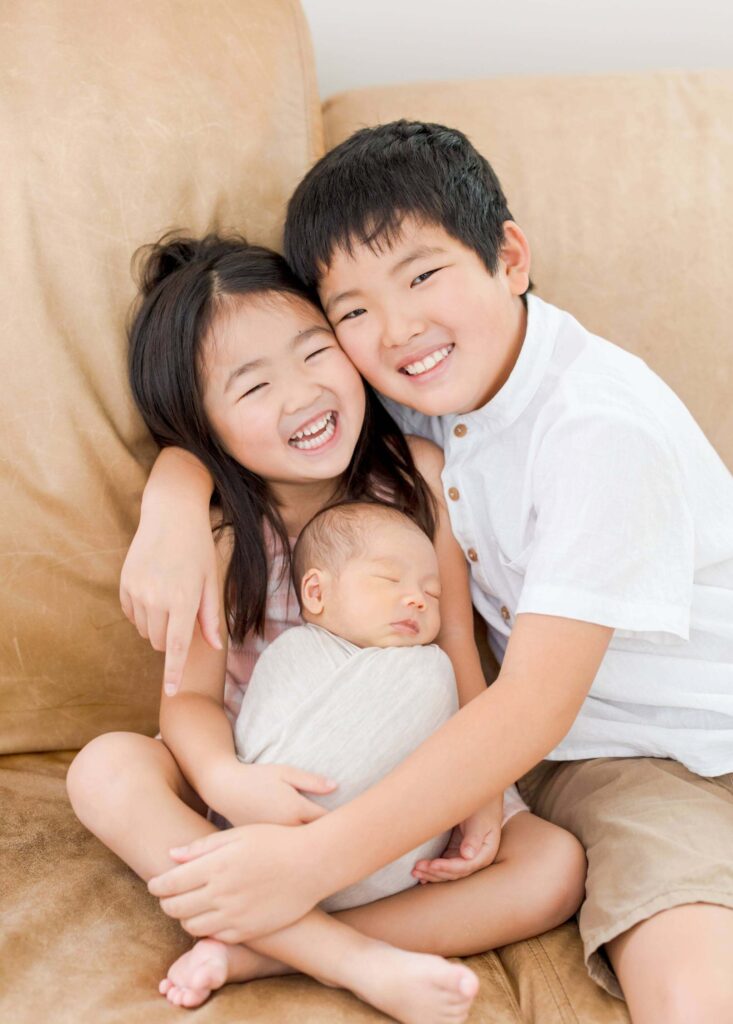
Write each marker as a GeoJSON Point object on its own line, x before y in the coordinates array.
{"type": "Point", "coordinates": [423, 319]}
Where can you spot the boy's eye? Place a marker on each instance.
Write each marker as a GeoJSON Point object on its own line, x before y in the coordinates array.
{"type": "Point", "coordinates": [390, 579]}
{"type": "Point", "coordinates": [430, 593]}
{"type": "Point", "coordinates": [353, 314]}
{"type": "Point", "coordinates": [424, 276]}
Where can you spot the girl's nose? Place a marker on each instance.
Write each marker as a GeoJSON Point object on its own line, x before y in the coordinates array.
{"type": "Point", "coordinates": [302, 393]}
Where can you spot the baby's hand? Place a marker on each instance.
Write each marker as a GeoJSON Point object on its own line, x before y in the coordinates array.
{"type": "Point", "coordinates": [170, 577]}
{"type": "Point", "coordinates": [248, 794]}
{"type": "Point", "coordinates": [473, 845]}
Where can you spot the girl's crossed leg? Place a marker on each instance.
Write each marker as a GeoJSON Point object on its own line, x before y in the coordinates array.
{"type": "Point", "coordinates": [128, 790]}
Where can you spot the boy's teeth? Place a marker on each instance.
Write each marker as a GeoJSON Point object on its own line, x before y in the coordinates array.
{"type": "Point", "coordinates": [422, 365]}
{"type": "Point", "coordinates": [324, 428]}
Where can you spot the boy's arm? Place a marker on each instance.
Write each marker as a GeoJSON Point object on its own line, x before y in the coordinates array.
{"type": "Point", "coordinates": [170, 576]}
{"type": "Point", "coordinates": [251, 881]}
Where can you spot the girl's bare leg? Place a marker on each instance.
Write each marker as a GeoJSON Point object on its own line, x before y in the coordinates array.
{"type": "Point", "coordinates": [128, 790]}
{"type": "Point", "coordinates": [535, 883]}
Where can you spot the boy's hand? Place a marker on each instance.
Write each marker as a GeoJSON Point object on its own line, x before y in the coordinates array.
{"type": "Point", "coordinates": [242, 883]}
{"type": "Point", "coordinates": [473, 845]}
{"type": "Point", "coordinates": [249, 794]}
{"type": "Point", "coordinates": [169, 579]}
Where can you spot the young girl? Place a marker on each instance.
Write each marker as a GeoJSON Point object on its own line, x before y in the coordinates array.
{"type": "Point", "coordinates": [232, 361]}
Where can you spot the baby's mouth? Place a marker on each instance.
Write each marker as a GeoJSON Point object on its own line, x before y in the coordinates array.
{"type": "Point", "coordinates": [316, 433]}
{"type": "Point", "coordinates": [408, 627]}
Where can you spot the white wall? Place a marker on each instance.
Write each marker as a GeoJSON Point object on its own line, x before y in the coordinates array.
{"type": "Point", "coordinates": [378, 42]}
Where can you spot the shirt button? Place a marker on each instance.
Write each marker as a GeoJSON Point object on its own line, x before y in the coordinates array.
{"type": "Point", "coordinates": [453, 493]}
{"type": "Point", "coordinates": [505, 613]}
{"type": "Point", "coordinates": [460, 430]}
{"type": "Point", "coordinates": [472, 554]}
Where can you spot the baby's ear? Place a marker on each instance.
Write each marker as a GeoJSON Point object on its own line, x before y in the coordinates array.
{"type": "Point", "coordinates": [311, 591]}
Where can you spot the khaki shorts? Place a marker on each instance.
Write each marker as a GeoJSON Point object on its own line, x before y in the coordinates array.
{"type": "Point", "coordinates": [656, 836]}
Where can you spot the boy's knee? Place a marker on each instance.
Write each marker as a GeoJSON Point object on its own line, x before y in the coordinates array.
{"type": "Point", "coordinates": [692, 998]}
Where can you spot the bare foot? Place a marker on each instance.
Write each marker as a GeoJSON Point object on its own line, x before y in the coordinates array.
{"type": "Point", "coordinates": [415, 988]}
{"type": "Point", "coordinates": [211, 964]}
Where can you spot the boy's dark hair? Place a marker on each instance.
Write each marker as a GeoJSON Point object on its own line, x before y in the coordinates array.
{"type": "Point", "coordinates": [183, 283]}
{"type": "Point", "coordinates": [338, 533]}
{"type": "Point", "coordinates": [360, 192]}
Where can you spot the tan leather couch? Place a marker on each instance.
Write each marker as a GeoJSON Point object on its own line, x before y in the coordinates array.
{"type": "Point", "coordinates": [118, 121]}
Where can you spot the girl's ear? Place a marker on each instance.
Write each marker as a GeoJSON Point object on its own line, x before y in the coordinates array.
{"type": "Point", "coordinates": [311, 590]}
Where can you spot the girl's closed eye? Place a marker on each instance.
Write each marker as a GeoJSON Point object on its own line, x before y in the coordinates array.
{"type": "Point", "coordinates": [252, 390]}
{"type": "Point", "coordinates": [318, 351]}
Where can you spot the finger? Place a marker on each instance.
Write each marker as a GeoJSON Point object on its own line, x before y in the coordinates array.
{"type": "Point", "coordinates": [141, 619]}
{"type": "Point", "coordinates": [177, 643]}
{"type": "Point", "coordinates": [157, 628]}
{"type": "Point", "coordinates": [203, 845]}
{"type": "Point", "coordinates": [308, 782]}
{"type": "Point", "coordinates": [181, 879]}
{"type": "Point", "coordinates": [208, 613]}
{"type": "Point", "coordinates": [187, 904]}
{"type": "Point", "coordinates": [310, 811]}
{"type": "Point", "coordinates": [473, 844]}
{"type": "Point", "coordinates": [128, 607]}
{"type": "Point", "coordinates": [205, 925]}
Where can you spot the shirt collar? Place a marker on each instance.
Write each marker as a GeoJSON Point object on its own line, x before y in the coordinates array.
{"type": "Point", "coordinates": [539, 342]}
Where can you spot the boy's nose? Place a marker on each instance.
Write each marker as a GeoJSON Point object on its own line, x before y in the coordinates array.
{"type": "Point", "coordinates": [400, 329]}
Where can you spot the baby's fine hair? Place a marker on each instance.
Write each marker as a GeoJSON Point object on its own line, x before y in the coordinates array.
{"type": "Point", "coordinates": [361, 191]}
{"type": "Point", "coordinates": [339, 533]}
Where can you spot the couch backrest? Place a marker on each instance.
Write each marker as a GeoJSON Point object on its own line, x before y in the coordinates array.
{"type": "Point", "coordinates": [118, 121]}
{"type": "Point", "coordinates": [623, 184]}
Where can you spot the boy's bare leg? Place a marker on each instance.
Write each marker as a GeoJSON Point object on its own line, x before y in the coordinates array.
{"type": "Point", "coordinates": [129, 791]}
{"type": "Point", "coordinates": [677, 966]}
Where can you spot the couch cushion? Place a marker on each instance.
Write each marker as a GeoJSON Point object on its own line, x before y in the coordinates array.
{"type": "Point", "coordinates": [622, 183]}
{"type": "Point", "coordinates": [82, 941]}
{"type": "Point", "coordinates": [117, 122]}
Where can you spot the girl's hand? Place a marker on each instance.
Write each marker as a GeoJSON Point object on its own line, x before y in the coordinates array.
{"type": "Point", "coordinates": [242, 883]}
{"type": "Point", "coordinates": [249, 794]}
{"type": "Point", "coordinates": [473, 845]}
{"type": "Point", "coordinates": [169, 579]}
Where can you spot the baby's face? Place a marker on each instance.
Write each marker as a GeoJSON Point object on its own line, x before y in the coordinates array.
{"type": "Point", "coordinates": [388, 596]}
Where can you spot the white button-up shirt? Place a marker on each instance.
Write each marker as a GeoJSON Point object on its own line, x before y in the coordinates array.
{"type": "Point", "coordinates": [585, 489]}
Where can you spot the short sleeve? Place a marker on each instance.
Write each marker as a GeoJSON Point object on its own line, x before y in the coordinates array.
{"type": "Point", "coordinates": [614, 536]}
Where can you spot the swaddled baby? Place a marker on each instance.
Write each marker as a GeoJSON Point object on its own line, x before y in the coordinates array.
{"type": "Point", "coordinates": [357, 688]}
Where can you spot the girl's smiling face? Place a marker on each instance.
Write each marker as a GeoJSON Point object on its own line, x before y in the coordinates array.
{"type": "Point", "coordinates": [281, 395]}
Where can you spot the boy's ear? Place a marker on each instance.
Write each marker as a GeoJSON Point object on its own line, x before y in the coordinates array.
{"type": "Point", "coordinates": [516, 257]}
{"type": "Point", "coordinates": [311, 590]}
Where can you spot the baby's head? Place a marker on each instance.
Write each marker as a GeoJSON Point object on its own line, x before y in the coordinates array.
{"type": "Point", "coordinates": [369, 574]}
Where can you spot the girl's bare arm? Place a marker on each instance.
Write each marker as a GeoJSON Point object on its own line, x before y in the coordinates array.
{"type": "Point", "coordinates": [169, 579]}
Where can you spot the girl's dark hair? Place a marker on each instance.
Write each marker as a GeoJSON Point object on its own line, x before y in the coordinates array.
{"type": "Point", "coordinates": [361, 191]}
{"type": "Point", "coordinates": [183, 283]}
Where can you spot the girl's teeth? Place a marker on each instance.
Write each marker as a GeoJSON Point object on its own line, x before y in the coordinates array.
{"type": "Point", "coordinates": [428, 362]}
{"type": "Point", "coordinates": [304, 440]}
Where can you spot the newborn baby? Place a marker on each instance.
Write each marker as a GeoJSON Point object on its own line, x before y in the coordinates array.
{"type": "Point", "coordinates": [357, 688]}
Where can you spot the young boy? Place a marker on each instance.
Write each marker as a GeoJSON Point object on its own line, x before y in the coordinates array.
{"type": "Point", "coordinates": [598, 526]}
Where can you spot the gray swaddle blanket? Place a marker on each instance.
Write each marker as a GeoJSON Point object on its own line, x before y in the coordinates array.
{"type": "Point", "coordinates": [322, 704]}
